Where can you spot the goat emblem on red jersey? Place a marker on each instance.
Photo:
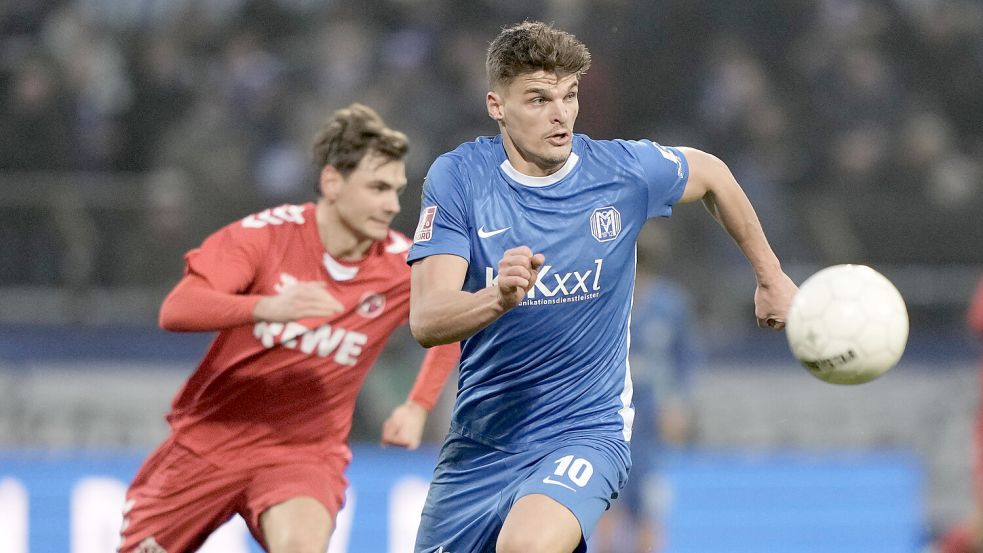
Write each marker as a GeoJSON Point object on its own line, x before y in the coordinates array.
{"type": "Point", "coordinates": [371, 305]}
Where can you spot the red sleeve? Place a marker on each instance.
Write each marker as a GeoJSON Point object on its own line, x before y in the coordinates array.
{"type": "Point", "coordinates": [975, 315]}
{"type": "Point", "coordinates": [194, 306]}
{"type": "Point", "coordinates": [437, 365]}
{"type": "Point", "coordinates": [212, 294]}
{"type": "Point", "coordinates": [229, 259]}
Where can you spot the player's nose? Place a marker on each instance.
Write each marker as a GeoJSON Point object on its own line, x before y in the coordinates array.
{"type": "Point", "coordinates": [392, 204]}
{"type": "Point", "coordinates": [560, 112]}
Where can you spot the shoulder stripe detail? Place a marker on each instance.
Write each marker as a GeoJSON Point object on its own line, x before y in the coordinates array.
{"type": "Point", "coordinates": [275, 216]}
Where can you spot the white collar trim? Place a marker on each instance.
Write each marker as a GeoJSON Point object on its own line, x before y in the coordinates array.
{"type": "Point", "coordinates": [539, 182]}
{"type": "Point", "coordinates": [338, 271]}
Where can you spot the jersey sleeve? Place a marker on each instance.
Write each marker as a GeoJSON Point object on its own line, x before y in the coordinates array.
{"type": "Point", "coordinates": [214, 293]}
{"type": "Point", "coordinates": [443, 226]}
{"type": "Point", "coordinates": [228, 260]}
{"type": "Point", "coordinates": [194, 306]}
{"type": "Point", "coordinates": [436, 367]}
{"type": "Point", "coordinates": [664, 172]}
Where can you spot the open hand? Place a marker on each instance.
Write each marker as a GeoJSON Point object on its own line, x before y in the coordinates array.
{"type": "Point", "coordinates": [296, 301]}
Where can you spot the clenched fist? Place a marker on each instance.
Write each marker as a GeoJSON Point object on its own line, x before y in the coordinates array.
{"type": "Point", "coordinates": [518, 271]}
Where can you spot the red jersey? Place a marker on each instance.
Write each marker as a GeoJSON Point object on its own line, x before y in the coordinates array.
{"type": "Point", "coordinates": [275, 389]}
{"type": "Point", "coordinates": [974, 317]}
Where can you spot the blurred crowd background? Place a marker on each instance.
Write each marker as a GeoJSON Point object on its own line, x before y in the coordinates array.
{"type": "Point", "coordinates": [130, 129]}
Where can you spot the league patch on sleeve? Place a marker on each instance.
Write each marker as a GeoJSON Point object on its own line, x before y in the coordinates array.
{"type": "Point", "coordinates": [424, 230]}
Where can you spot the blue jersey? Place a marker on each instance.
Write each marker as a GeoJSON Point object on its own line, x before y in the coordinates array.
{"type": "Point", "coordinates": [557, 364]}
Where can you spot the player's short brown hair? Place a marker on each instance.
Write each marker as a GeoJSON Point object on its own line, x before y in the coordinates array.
{"type": "Point", "coordinates": [530, 46]}
{"type": "Point", "coordinates": [350, 134]}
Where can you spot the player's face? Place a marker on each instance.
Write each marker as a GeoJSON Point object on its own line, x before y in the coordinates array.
{"type": "Point", "coordinates": [368, 199]}
{"type": "Point", "coordinates": [536, 112]}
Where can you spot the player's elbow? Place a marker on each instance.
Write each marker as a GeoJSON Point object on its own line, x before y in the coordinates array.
{"type": "Point", "coordinates": [170, 316]}
{"type": "Point", "coordinates": [423, 333]}
{"type": "Point", "coordinates": [167, 320]}
{"type": "Point", "coordinates": [426, 330]}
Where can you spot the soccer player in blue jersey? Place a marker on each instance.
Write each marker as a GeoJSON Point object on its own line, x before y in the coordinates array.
{"type": "Point", "coordinates": [525, 250]}
{"type": "Point", "coordinates": [664, 356]}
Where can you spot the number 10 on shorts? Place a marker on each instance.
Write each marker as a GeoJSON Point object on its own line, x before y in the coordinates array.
{"type": "Point", "coordinates": [578, 470]}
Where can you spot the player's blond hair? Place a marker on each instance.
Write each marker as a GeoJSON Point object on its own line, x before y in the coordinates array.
{"type": "Point", "coordinates": [350, 134]}
{"type": "Point", "coordinates": [531, 46]}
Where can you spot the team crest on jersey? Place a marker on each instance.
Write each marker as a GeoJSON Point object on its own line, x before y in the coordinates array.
{"type": "Point", "coordinates": [605, 223]}
{"type": "Point", "coordinates": [424, 230]}
{"type": "Point", "coordinates": [371, 305]}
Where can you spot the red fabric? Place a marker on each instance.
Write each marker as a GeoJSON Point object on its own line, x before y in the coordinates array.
{"type": "Point", "coordinates": [269, 486]}
{"type": "Point", "coordinates": [280, 390]}
{"type": "Point", "coordinates": [199, 498]}
{"type": "Point", "coordinates": [974, 317]}
{"type": "Point", "coordinates": [194, 306]}
{"type": "Point", "coordinates": [957, 540]}
{"type": "Point", "coordinates": [178, 499]}
{"type": "Point", "coordinates": [437, 365]}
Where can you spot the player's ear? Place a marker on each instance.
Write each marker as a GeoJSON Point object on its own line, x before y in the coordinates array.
{"type": "Point", "coordinates": [330, 182]}
{"type": "Point", "coordinates": [494, 104]}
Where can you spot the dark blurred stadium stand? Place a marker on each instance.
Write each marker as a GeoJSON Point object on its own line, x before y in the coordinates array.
{"type": "Point", "coordinates": [130, 129]}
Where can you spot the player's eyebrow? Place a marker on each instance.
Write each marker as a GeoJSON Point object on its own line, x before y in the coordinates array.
{"type": "Point", "coordinates": [396, 185]}
{"type": "Point", "coordinates": [537, 90]}
{"type": "Point", "coordinates": [545, 91]}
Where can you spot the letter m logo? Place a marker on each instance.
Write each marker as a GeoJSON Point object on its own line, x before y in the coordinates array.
{"type": "Point", "coordinates": [605, 223]}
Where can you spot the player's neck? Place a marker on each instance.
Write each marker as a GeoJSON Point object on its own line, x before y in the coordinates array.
{"type": "Point", "coordinates": [527, 166]}
{"type": "Point", "coordinates": [338, 240]}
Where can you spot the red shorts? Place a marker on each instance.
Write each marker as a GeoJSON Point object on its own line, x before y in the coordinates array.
{"type": "Point", "coordinates": [178, 498]}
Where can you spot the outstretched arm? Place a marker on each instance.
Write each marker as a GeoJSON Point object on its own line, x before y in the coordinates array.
{"type": "Point", "coordinates": [711, 181]}
{"type": "Point", "coordinates": [404, 427]}
{"type": "Point", "coordinates": [442, 313]}
{"type": "Point", "coordinates": [195, 305]}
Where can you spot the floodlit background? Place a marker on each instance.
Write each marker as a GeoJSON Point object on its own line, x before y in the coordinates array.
{"type": "Point", "coordinates": [130, 129]}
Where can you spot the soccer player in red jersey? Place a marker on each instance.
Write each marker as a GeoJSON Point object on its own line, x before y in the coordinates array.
{"type": "Point", "coordinates": [303, 298]}
{"type": "Point", "coordinates": [968, 536]}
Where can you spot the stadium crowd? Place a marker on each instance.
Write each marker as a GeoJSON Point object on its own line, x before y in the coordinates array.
{"type": "Point", "coordinates": [861, 115]}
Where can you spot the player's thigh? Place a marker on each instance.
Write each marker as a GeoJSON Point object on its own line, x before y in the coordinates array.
{"type": "Point", "coordinates": [176, 501]}
{"type": "Point", "coordinates": [312, 492]}
{"type": "Point", "coordinates": [296, 525]}
{"type": "Point", "coordinates": [539, 524]}
{"type": "Point", "coordinates": [466, 500]}
{"type": "Point", "coordinates": [581, 479]}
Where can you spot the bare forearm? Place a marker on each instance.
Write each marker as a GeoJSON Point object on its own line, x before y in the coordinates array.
{"type": "Point", "coordinates": [730, 207]}
{"type": "Point", "coordinates": [446, 317]}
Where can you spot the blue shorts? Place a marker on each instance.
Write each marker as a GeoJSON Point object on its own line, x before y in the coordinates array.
{"type": "Point", "coordinates": [474, 487]}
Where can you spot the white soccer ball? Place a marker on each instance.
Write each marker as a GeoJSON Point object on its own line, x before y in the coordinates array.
{"type": "Point", "coordinates": [847, 324]}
